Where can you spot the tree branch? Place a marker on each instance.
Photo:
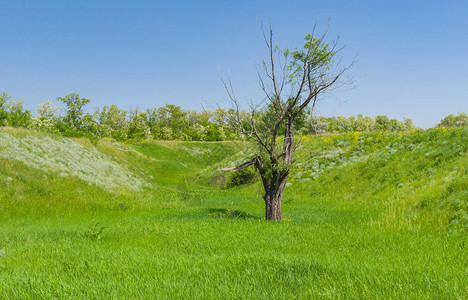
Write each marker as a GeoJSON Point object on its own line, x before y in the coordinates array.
{"type": "Point", "coordinates": [242, 166]}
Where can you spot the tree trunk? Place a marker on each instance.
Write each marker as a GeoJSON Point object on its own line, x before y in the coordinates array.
{"type": "Point", "coordinates": [273, 198]}
{"type": "Point", "coordinates": [274, 188]}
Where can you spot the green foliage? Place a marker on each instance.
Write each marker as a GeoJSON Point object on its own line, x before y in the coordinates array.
{"type": "Point", "coordinates": [241, 177]}
{"type": "Point", "coordinates": [137, 128]}
{"type": "Point", "coordinates": [12, 113]}
{"type": "Point", "coordinates": [94, 232]}
{"type": "Point", "coordinates": [43, 124]}
{"type": "Point", "coordinates": [268, 118]}
{"type": "Point", "coordinates": [4, 98]}
{"type": "Point", "coordinates": [47, 110]}
{"type": "Point", "coordinates": [383, 123]}
{"type": "Point", "coordinates": [451, 121]}
{"type": "Point", "coordinates": [18, 116]}
{"type": "Point", "coordinates": [317, 125]}
{"type": "Point", "coordinates": [74, 114]}
{"type": "Point", "coordinates": [112, 122]}
{"type": "Point", "coordinates": [323, 57]}
{"type": "Point", "coordinates": [342, 124]}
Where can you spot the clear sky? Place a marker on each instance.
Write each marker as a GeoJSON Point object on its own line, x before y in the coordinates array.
{"type": "Point", "coordinates": [412, 56]}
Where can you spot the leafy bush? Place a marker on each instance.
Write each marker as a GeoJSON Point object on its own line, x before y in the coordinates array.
{"type": "Point", "coordinates": [12, 113]}
{"type": "Point", "coordinates": [241, 177]}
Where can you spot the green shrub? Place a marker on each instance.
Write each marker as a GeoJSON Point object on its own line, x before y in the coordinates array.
{"type": "Point", "coordinates": [245, 176]}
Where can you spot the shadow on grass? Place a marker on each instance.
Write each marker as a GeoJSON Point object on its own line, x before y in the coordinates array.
{"type": "Point", "coordinates": [228, 213]}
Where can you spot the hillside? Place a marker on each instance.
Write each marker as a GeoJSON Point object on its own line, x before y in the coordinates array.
{"type": "Point", "coordinates": [366, 216]}
{"type": "Point", "coordinates": [412, 180]}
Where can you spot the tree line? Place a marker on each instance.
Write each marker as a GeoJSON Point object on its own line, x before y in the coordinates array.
{"type": "Point", "coordinates": [171, 122]}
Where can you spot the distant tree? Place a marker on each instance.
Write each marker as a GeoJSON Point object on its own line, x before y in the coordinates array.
{"type": "Point", "coordinates": [382, 123]}
{"type": "Point", "coordinates": [364, 124]}
{"type": "Point", "coordinates": [47, 110]}
{"type": "Point", "coordinates": [4, 99]}
{"type": "Point", "coordinates": [317, 125]}
{"type": "Point", "coordinates": [409, 124]}
{"type": "Point", "coordinates": [294, 84]}
{"type": "Point", "coordinates": [396, 125]}
{"type": "Point", "coordinates": [344, 124]}
{"type": "Point", "coordinates": [170, 122]}
{"type": "Point", "coordinates": [451, 121]}
{"type": "Point", "coordinates": [461, 119]}
{"type": "Point", "coordinates": [138, 128]}
{"type": "Point", "coordinates": [448, 121]}
{"type": "Point", "coordinates": [90, 128]}
{"type": "Point", "coordinates": [112, 122]}
{"type": "Point", "coordinates": [332, 125]}
{"type": "Point", "coordinates": [74, 112]}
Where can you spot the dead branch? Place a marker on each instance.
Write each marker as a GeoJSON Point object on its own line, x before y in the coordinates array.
{"type": "Point", "coordinates": [242, 166]}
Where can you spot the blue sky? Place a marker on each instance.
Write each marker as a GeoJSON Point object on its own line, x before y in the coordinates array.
{"type": "Point", "coordinates": [412, 57]}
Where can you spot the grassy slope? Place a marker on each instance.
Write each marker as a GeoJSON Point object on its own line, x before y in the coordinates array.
{"type": "Point", "coordinates": [383, 217]}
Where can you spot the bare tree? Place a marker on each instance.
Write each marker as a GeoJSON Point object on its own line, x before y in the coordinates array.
{"type": "Point", "coordinates": [292, 80]}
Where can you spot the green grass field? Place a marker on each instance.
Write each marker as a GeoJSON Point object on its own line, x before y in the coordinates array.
{"type": "Point", "coordinates": [379, 216]}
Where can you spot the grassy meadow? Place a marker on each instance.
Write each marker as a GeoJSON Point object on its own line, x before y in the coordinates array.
{"type": "Point", "coordinates": [366, 216]}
